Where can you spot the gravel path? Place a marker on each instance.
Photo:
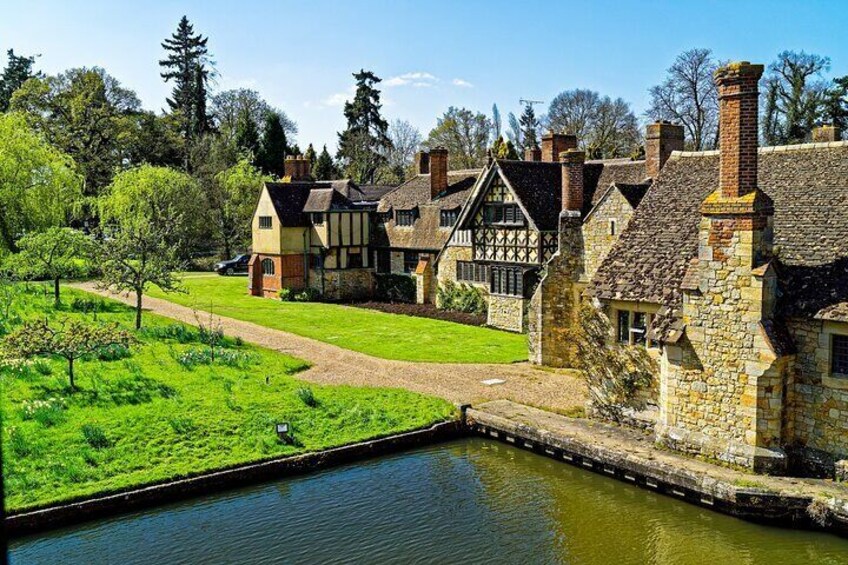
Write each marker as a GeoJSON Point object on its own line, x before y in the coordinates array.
{"type": "Point", "coordinates": [560, 391]}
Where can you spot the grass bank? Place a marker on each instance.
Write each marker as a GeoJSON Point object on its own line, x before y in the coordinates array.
{"type": "Point", "coordinates": [388, 336]}
{"type": "Point", "coordinates": [164, 410]}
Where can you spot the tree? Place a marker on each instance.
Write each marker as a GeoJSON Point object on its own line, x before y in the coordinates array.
{"type": "Point", "coordinates": [188, 65]}
{"type": "Point", "coordinates": [81, 111]}
{"type": "Point", "coordinates": [464, 134]}
{"type": "Point", "coordinates": [17, 71]}
{"type": "Point", "coordinates": [237, 191]}
{"type": "Point", "coordinates": [229, 105]}
{"type": "Point", "coordinates": [247, 134]}
{"type": "Point", "coordinates": [273, 146]}
{"type": "Point", "coordinates": [70, 339]}
{"type": "Point", "coordinates": [146, 138]}
{"type": "Point", "coordinates": [504, 149]}
{"type": "Point", "coordinates": [53, 254]}
{"type": "Point", "coordinates": [362, 146]}
{"type": "Point", "coordinates": [796, 97]}
{"type": "Point", "coordinates": [324, 168]}
{"type": "Point", "coordinates": [529, 125]}
{"type": "Point", "coordinates": [406, 140]}
{"type": "Point", "coordinates": [39, 185]}
{"type": "Point", "coordinates": [310, 155]}
{"type": "Point", "coordinates": [688, 97]}
{"type": "Point", "coordinates": [836, 109]}
{"type": "Point", "coordinates": [605, 128]}
{"type": "Point", "coordinates": [497, 123]}
{"type": "Point", "coordinates": [514, 135]}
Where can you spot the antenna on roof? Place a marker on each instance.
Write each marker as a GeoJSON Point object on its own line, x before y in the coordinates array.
{"type": "Point", "coordinates": [524, 102]}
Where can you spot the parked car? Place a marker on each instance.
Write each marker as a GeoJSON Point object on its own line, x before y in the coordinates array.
{"type": "Point", "coordinates": [237, 265]}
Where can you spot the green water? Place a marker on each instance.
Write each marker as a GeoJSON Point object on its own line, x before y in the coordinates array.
{"type": "Point", "coordinates": [470, 501]}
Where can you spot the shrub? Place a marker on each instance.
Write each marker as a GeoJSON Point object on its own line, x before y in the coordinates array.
{"type": "Point", "coordinates": [461, 298]}
{"type": "Point", "coordinates": [306, 396]}
{"type": "Point", "coordinates": [47, 412]}
{"type": "Point", "coordinates": [88, 305]}
{"type": "Point", "coordinates": [208, 356]}
{"type": "Point", "coordinates": [177, 332]}
{"type": "Point", "coordinates": [308, 294]}
{"type": "Point", "coordinates": [113, 352]}
{"type": "Point", "coordinates": [395, 288]}
{"type": "Point", "coordinates": [95, 436]}
{"type": "Point", "coordinates": [286, 294]}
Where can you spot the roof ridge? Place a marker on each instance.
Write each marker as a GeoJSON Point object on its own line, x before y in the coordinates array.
{"type": "Point", "coordinates": [766, 149]}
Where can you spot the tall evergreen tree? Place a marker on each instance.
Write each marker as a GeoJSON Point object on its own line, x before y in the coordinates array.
{"type": "Point", "coordinates": [310, 154]}
{"type": "Point", "coordinates": [187, 64]}
{"type": "Point", "coordinates": [363, 145]}
{"type": "Point", "coordinates": [529, 125]}
{"type": "Point", "coordinates": [836, 111]}
{"type": "Point", "coordinates": [324, 168]}
{"type": "Point", "coordinates": [18, 70]}
{"type": "Point", "coordinates": [272, 148]}
{"type": "Point", "coordinates": [247, 134]}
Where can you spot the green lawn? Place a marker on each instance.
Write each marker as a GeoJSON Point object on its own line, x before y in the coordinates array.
{"type": "Point", "coordinates": [389, 336]}
{"type": "Point", "coordinates": [153, 415]}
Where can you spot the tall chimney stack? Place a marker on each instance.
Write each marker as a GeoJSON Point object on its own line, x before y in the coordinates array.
{"type": "Point", "coordinates": [553, 144]}
{"type": "Point", "coordinates": [572, 179]}
{"type": "Point", "coordinates": [298, 168]}
{"type": "Point", "coordinates": [438, 171]}
{"type": "Point", "coordinates": [826, 134]}
{"type": "Point", "coordinates": [422, 163]}
{"type": "Point", "coordinates": [661, 138]}
{"type": "Point", "coordinates": [738, 127]}
{"type": "Point", "coordinates": [533, 154]}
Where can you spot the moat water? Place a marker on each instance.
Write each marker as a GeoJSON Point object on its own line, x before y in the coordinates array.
{"type": "Point", "coordinates": [469, 501]}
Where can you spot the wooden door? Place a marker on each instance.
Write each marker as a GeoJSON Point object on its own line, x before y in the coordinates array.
{"type": "Point", "coordinates": [291, 271]}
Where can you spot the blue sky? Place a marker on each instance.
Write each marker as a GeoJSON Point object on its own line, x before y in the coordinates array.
{"type": "Point", "coordinates": [431, 54]}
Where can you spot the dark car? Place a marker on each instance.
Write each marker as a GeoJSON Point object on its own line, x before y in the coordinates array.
{"type": "Point", "coordinates": [238, 265]}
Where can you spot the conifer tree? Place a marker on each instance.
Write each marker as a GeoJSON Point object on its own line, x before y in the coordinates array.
{"type": "Point", "coordinates": [324, 168]}
{"type": "Point", "coordinates": [273, 147]}
{"type": "Point", "coordinates": [18, 70]}
{"type": "Point", "coordinates": [529, 124]}
{"type": "Point", "coordinates": [363, 145]}
{"type": "Point", "coordinates": [247, 134]}
{"type": "Point", "coordinates": [310, 154]}
{"type": "Point", "coordinates": [187, 64]}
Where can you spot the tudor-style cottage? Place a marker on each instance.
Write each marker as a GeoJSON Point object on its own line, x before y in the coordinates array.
{"type": "Point", "coordinates": [312, 234]}
{"type": "Point", "coordinates": [509, 230]}
{"type": "Point", "coordinates": [414, 220]}
{"type": "Point", "coordinates": [733, 272]}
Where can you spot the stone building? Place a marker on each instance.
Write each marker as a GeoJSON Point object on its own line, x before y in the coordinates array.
{"type": "Point", "coordinates": [733, 272]}
{"type": "Point", "coordinates": [312, 234]}
{"type": "Point", "coordinates": [509, 230]}
{"type": "Point", "coordinates": [414, 220]}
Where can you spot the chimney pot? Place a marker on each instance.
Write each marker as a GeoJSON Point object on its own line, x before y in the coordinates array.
{"type": "Point", "coordinates": [738, 127]}
{"type": "Point", "coordinates": [572, 179]}
{"type": "Point", "coordinates": [438, 171]}
{"type": "Point", "coordinates": [826, 134]}
{"type": "Point", "coordinates": [661, 138]}
{"type": "Point", "coordinates": [553, 144]}
{"type": "Point", "coordinates": [533, 154]}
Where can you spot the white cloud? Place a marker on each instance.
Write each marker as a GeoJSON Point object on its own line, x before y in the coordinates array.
{"type": "Point", "coordinates": [416, 79]}
{"type": "Point", "coordinates": [462, 83]}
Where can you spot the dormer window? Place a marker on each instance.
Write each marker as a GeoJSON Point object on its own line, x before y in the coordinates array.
{"type": "Point", "coordinates": [265, 222]}
{"type": "Point", "coordinates": [405, 217]}
{"type": "Point", "coordinates": [317, 218]}
{"type": "Point", "coordinates": [447, 218]}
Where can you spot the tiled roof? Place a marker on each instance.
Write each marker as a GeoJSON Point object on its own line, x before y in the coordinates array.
{"type": "Point", "coordinates": [809, 186]}
{"type": "Point", "coordinates": [293, 199]}
{"type": "Point", "coordinates": [425, 233]}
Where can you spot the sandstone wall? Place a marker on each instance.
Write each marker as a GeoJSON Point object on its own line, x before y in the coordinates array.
{"type": "Point", "coordinates": [508, 313]}
{"type": "Point", "coordinates": [597, 234]}
{"type": "Point", "coordinates": [343, 285]}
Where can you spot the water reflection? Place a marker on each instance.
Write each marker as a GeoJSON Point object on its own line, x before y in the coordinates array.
{"type": "Point", "coordinates": [471, 501]}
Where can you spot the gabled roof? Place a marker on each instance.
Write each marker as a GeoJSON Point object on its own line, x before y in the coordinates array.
{"type": "Point", "coordinates": [292, 200]}
{"type": "Point", "coordinates": [425, 233]}
{"type": "Point", "coordinates": [809, 187]}
{"type": "Point", "coordinates": [632, 193]}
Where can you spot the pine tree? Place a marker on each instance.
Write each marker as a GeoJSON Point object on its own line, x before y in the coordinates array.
{"type": "Point", "coordinates": [273, 147]}
{"type": "Point", "coordinates": [324, 168]}
{"type": "Point", "coordinates": [364, 144]}
{"type": "Point", "coordinates": [247, 134]}
{"type": "Point", "coordinates": [18, 70]}
{"type": "Point", "coordinates": [529, 123]}
{"type": "Point", "coordinates": [188, 65]}
{"type": "Point", "coordinates": [310, 154]}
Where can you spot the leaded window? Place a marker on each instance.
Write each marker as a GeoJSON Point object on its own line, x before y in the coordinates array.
{"type": "Point", "coordinates": [405, 217]}
{"type": "Point", "coordinates": [507, 281]}
{"type": "Point", "coordinates": [410, 261]}
{"type": "Point", "coordinates": [265, 222]}
{"type": "Point", "coordinates": [267, 267]}
{"type": "Point", "coordinates": [839, 355]}
{"type": "Point", "coordinates": [468, 271]}
{"type": "Point", "coordinates": [447, 218]}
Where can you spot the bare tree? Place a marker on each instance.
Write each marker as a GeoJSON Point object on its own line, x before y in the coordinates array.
{"type": "Point", "coordinates": [465, 134]}
{"type": "Point", "coordinates": [406, 139]}
{"type": "Point", "coordinates": [231, 105]}
{"type": "Point", "coordinates": [796, 96]}
{"type": "Point", "coordinates": [605, 128]}
{"type": "Point", "coordinates": [688, 97]}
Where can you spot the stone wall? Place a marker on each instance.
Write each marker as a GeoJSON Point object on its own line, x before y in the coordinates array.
{"type": "Point", "coordinates": [597, 234]}
{"type": "Point", "coordinates": [508, 312]}
{"type": "Point", "coordinates": [396, 261]}
{"type": "Point", "coordinates": [344, 284]}
{"type": "Point", "coordinates": [554, 305]}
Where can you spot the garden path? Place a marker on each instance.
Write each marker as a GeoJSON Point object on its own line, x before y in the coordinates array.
{"type": "Point", "coordinates": [556, 390]}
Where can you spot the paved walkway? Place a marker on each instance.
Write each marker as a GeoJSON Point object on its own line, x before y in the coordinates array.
{"type": "Point", "coordinates": [559, 391]}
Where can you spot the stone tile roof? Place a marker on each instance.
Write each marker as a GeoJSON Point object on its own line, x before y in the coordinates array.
{"type": "Point", "coordinates": [425, 233]}
{"type": "Point", "coordinates": [538, 185]}
{"type": "Point", "coordinates": [809, 186]}
{"type": "Point", "coordinates": [292, 200]}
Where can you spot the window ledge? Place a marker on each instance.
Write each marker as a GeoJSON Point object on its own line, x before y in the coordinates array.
{"type": "Point", "coordinates": [836, 381]}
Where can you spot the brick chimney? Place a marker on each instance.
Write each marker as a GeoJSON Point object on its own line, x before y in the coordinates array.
{"type": "Point", "coordinates": [572, 179]}
{"type": "Point", "coordinates": [553, 144]}
{"type": "Point", "coordinates": [826, 134]}
{"type": "Point", "coordinates": [438, 171]}
{"type": "Point", "coordinates": [738, 127]}
{"type": "Point", "coordinates": [298, 168]}
{"type": "Point", "coordinates": [533, 154]}
{"type": "Point", "coordinates": [661, 138]}
{"type": "Point", "coordinates": [422, 163]}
